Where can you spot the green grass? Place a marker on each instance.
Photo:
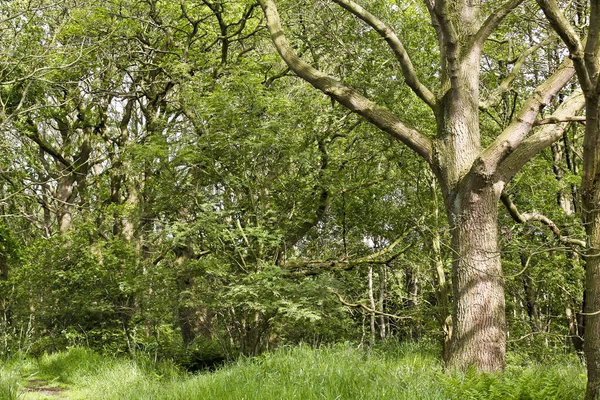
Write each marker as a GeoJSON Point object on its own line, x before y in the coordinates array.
{"type": "Point", "coordinates": [9, 387]}
{"type": "Point", "coordinates": [407, 371]}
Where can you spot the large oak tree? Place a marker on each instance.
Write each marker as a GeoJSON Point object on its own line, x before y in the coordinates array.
{"type": "Point", "coordinates": [471, 174]}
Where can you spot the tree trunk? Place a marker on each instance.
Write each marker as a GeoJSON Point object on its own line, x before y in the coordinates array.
{"type": "Point", "coordinates": [591, 216]}
{"type": "Point", "coordinates": [186, 313]}
{"type": "Point", "coordinates": [471, 197]}
{"type": "Point", "coordinates": [373, 306]}
{"type": "Point", "coordinates": [479, 327]}
{"type": "Point", "coordinates": [441, 291]}
{"type": "Point", "coordinates": [531, 303]}
{"type": "Point", "coordinates": [64, 195]}
{"type": "Point", "coordinates": [591, 343]}
{"type": "Point", "coordinates": [381, 303]}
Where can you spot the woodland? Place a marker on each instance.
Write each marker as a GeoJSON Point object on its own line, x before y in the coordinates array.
{"type": "Point", "coordinates": [208, 181]}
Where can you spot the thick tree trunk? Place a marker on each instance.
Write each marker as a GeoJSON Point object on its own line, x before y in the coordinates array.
{"type": "Point", "coordinates": [479, 329]}
{"type": "Point", "coordinates": [471, 198]}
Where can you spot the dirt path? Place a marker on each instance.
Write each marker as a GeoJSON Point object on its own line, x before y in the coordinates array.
{"type": "Point", "coordinates": [40, 389]}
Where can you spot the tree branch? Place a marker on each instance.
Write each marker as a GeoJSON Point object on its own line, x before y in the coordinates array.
{"type": "Point", "coordinates": [447, 31]}
{"type": "Point", "coordinates": [592, 44]}
{"type": "Point", "coordinates": [370, 310]}
{"type": "Point", "coordinates": [567, 33]}
{"type": "Point", "coordinates": [534, 216]}
{"type": "Point", "coordinates": [313, 267]}
{"type": "Point", "coordinates": [507, 82]}
{"type": "Point", "coordinates": [397, 48]}
{"type": "Point", "coordinates": [350, 98]}
{"type": "Point", "coordinates": [556, 120]}
{"type": "Point", "coordinates": [32, 133]}
{"type": "Point", "coordinates": [492, 22]}
{"type": "Point", "coordinates": [510, 139]}
{"type": "Point", "coordinates": [543, 137]}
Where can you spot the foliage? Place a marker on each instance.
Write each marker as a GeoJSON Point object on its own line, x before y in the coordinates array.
{"type": "Point", "coordinates": [405, 371]}
{"type": "Point", "coordinates": [161, 169]}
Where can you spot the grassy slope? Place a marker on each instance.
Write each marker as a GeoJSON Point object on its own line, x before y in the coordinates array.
{"type": "Point", "coordinates": [341, 372]}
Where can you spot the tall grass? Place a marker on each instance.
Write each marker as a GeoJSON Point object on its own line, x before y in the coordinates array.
{"type": "Point", "coordinates": [407, 371]}
{"type": "Point", "coordinates": [9, 385]}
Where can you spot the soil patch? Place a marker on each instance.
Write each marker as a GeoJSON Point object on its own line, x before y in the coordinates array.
{"type": "Point", "coordinates": [41, 386]}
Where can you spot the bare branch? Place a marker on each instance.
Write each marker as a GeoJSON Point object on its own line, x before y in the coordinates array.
{"type": "Point", "coordinates": [556, 120]}
{"type": "Point", "coordinates": [313, 267]}
{"type": "Point", "coordinates": [350, 98]}
{"type": "Point", "coordinates": [370, 310]}
{"type": "Point", "coordinates": [534, 216]}
{"type": "Point", "coordinates": [33, 134]}
{"type": "Point", "coordinates": [589, 314]}
{"type": "Point", "coordinates": [397, 47]}
{"type": "Point", "coordinates": [592, 45]}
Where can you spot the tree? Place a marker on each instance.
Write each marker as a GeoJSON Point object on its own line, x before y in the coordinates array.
{"type": "Point", "coordinates": [471, 174]}
{"type": "Point", "coordinates": [585, 54]}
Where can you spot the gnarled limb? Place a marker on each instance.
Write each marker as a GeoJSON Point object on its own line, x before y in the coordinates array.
{"type": "Point", "coordinates": [534, 216]}
{"type": "Point", "coordinates": [354, 101]}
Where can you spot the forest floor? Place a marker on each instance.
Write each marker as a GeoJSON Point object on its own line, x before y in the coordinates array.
{"type": "Point", "coordinates": [35, 389]}
{"type": "Point", "coordinates": [407, 371]}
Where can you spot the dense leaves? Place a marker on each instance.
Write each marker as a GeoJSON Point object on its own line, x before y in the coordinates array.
{"type": "Point", "coordinates": [168, 185]}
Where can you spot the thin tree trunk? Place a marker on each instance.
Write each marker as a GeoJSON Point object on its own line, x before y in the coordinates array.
{"type": "Point", "coordinates": [382, 287]}
{"type": "Point", "coordinates": [441, 291]}
{"type": "Point", "coordinates": [372, 303]}
{"type": "Point", "coordinates": [186, 313]}
{"type": "Point", "coordinates": [64, 193]}
{"type": "Point", "coordinates": [531, 303]}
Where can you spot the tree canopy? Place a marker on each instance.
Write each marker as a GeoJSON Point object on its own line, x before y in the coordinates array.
{"type": "Point", "coordinates": [208, 179]}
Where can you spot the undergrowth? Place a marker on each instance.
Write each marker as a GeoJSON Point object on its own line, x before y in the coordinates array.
{"type": "Point", "coordinates": [407, 371]}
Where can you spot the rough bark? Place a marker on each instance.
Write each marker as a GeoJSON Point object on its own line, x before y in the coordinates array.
{"type": "Point", "coordinates": [479, 327]}
{"type": "Point", "coordinates": [591, 218]}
